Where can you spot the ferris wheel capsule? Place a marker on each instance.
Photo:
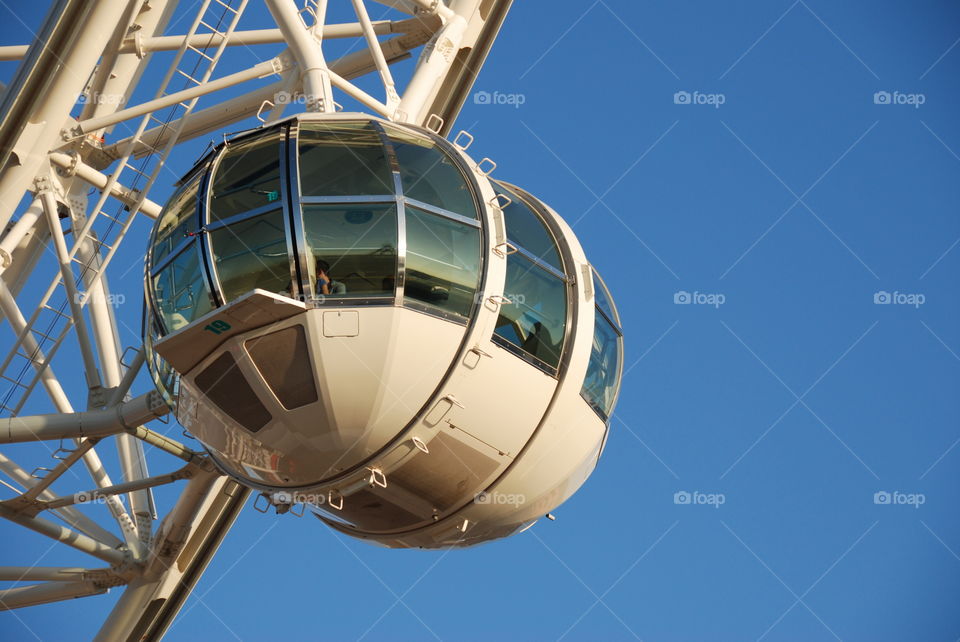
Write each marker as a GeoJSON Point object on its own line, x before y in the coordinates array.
{"type": "Point", "coordinates": [356, 314]}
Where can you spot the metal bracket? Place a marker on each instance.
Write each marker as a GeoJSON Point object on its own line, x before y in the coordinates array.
{"type": "Point", "coordinates": [490, 163]}
{"type": "Point", "coordinates": [332, 500]}
{"type": "Point", "coordinates": [504, 249]}
{"type": "Point", "coordinates": [499, 299]}
{"type": "Point", "coordinates": [495, 201]}
{"type": "Point", "coordinates": [434, 123]}
{"type": "Point", "coordinates": [463, 146]}
{"type": "Point", "coordinates": [377, 478]}
{"type": "Point", "coordinates": [420, 445]}
{"type": "Point", "coordinates": [260, 111]}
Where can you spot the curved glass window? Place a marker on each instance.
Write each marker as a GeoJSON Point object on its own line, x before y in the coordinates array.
{"type": "Point", "coordinates": [343, 159]}
{"type": "Point", "coordinates": [252, 253]}
{"type": "Point", "coordinates": [351, 249]}
{"type": "Point", "coordinates": [180, 291]}
{"type": "Point", "coordinates": [526, 230]}
{"type": "Point", "coordinates": [604, 300]}
{"type": "Point", "coordinates": [164, 377]}
{"type": "Point", "coordinates": [247, 177]}
{"type": "Point", "coordinates": [328, 226]}
{"type": "Point", "coordinates": [177, 221]}
{"type": "Point", "coordinates": [533, 320]}
{"type": "Point", "coordinates": [602, 383]}
{"type": "Point", "coordinates": [535, 317]}
{"type": "Point", "coordinates": [430, 176]}
{"type": "Point", "coordinates": [443, 262]}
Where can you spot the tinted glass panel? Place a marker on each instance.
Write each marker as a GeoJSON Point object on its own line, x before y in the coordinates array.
{"type": "Point", "coordinates": [602, 381]}
{"type": "Point", "coordinates": [283, 360]}
{"type": "Point", "coordinates": [429, 175]}
{"type": "Point", "coordinates": [525, 229]}
{"type": "Point", "coordinates": [248, 177]}
{"type": "Point", "coordinates": [343, 160]}
{"type": "Point", "coordinates": [177, 220]}
{"type": "Point", "coordinates": [352, 249]}
{"type": "Point", "coordinates": [164, 376]}
{"type": "Point", "coordinates": [534, 321]}
{"type": "Point", "coordinates": [180, 290]}
{"type": "Point", "coordinates": [252, 254]}
{"type": "Point", "coordinates": [224, 384]}
{"type": "Point", "coordinates": [604, 300]}
{"type": "Point", "coordinates": [443, 262]}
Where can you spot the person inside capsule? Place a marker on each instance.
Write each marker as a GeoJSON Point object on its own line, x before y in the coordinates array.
{"type": "Point", "coordinates": [325, 283]}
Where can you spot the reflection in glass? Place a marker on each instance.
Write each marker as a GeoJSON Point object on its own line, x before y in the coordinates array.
{"type": "Point", "coordinates": [252, 254]}
{"type": "Point", "coordinates": [602, 381]}
{"type": "Point", "coordinates": [535, 318]}
{"type": "Point", "coordinates": [443, 262]}
{"type": "Point", "coordinates": [351, 249]}
{"type": "Point", "coordinates": [526, 230]}
{"type": "Point", "coordinates": [177, 220]}
{"type": "Point", "coordinates": [247, 177]}
{"type": "Point", "coordinates": [604, 300]}
{"type": "Point", "coordinates": [343, 159]}
{"type": "Point", "coordinates": [180, 291]}
{"type": "Point", "coordinates": [164, 376]}
{"type": "Point", "coordinates": [430, 176]}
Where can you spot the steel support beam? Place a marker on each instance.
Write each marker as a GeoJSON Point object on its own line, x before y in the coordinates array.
{"type": "Point", "coordinates": [80, 425]}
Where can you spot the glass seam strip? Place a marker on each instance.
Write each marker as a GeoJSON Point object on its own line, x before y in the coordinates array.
{"type": "Point", "coordinates": [433, 209]}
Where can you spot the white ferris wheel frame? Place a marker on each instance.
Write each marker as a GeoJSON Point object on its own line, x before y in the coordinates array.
{"type": "Point", "coordinates": [50, 161]}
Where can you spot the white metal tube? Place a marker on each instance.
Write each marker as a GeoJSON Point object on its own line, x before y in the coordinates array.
{"type": "Point", "coordinates": [91, 371]}
{"type": "Point", "coordinates": [47, 480]}
{"type": "Point", "coordinates": [52, 385]}
{"type": "Point", "coordinates": [128, 377]}
{"type": "Point", "coordinates": [127, 487]}
{"type": "Point", "coordinates": [123, 194]}
{"type": "Point", "coordinates": [21, 596]}
{"type": "Point", "coordinates": [432, 69]}
{"type": "Point", "coordinates": [259, 70]}
{"type": "Point", "coordinates": [200, 122]}
{"type": "Point", "coordinates": [43, 574]}
{"type": "Point", "coordinates": [308, 54]}
{"type": "Point", "coordinates": [237, 39]}
{"type": "Point", "coordinates": [176, 526]}
{"type": "Point", "coordinates": [360, 95]}
{"type": "Point", "coordinates": [80, 425]}
{"type": "Point", "coordinates": [24, 224]}
{"type": "Point", "coordinates": [19, 324]}
{"type": "Point", "coordinates": [376, 51]}
{"type": "Point", "coordinates": [69, 514]}
{"type": "Point", "coordinates": [63, 534]}
{"type": "Point", "coordinates": [37, 126]}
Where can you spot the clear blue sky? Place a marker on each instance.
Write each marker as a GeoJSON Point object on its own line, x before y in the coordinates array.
{"type": "Point", "coordinates": [796, 399]}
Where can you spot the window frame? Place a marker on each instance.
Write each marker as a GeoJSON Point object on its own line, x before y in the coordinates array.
{"type": "Point", "coordinates": [291, 204]}
{"type": "Point", "coordinates": [600, 315]}
{"type": "Point", "coordinates": [537, 209]}
{"type": "Point", "coordinates": [208, 258]}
